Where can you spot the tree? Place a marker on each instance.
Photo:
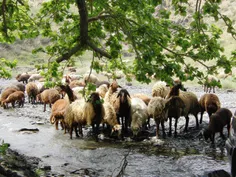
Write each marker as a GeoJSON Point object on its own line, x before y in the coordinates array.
{"type": "Point", "coordinates": [160, 44]}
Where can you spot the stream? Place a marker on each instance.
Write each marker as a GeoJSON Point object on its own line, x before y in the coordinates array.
{"type": "Point", "coordinates": [187, 155]}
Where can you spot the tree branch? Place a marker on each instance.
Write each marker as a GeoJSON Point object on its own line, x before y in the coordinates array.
{"type": "Point", "coordinates": [67, 55]}
{"type": "Point", "coordinates": [83, 21]}
{"type": "Point", "coordinates": [4, 17]}
{"type": "Point", "coordinates": [98, 18]}
{"type": "Point", "coordinates": [98, 50]}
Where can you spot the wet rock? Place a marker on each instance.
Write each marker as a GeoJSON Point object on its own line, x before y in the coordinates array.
{"type": "Point", "coordinates": [34, 130]}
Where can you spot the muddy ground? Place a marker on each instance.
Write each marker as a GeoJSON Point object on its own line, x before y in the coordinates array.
{"type": "Point", "coordinates": [54, 154]}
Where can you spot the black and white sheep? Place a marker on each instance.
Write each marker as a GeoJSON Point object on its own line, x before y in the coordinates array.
{"type": "Point", "coordinates": [80, 113]}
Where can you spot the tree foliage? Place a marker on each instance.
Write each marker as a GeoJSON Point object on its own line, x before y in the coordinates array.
{"type": "Point", "coordinates": [160, 44]}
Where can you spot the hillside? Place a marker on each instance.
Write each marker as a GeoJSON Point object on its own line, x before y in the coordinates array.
{"type": "Point", "coordinates": [21, 50]}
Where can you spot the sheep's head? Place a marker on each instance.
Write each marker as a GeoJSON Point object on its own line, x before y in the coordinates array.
{"type": "Point", "coordinates": [114, 86]}
{"type": "Point", "coordinates": [207, 134]}
{"type": "Point", "coordinates": [94, 98]}
{"type": "Point", "coordinates": [123, 95]}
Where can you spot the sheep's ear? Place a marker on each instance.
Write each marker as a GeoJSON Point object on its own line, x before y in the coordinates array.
{"type": "Point", "coordinates": [128, 94]}
{"type": "Point", "coordinates": [118, 95]}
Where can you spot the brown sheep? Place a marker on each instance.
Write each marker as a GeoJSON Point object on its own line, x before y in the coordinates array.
{"type": "Point", "coordinates": [217, 122]}
{"type": "Point", "coordinates": [76, 83]}
{"type": "Point", "coordinates": [191, 104]}
{"type": "Point", "coordinates": [176, 108]}
{"type": "Point", "coordinates": [49, 96]}
{"type": "Point", "coordinates": [6, 93]}
{"type": "Point", "coordinates": [210, 103]}
{"type": "Point", "coordinates": [13, 97]}
{"type": "Point", "coordinates": [58, 112]}
{"type": "Point", "coordinates": [23, 78]}
{"type": "Point", "coordinates": [32, 91]}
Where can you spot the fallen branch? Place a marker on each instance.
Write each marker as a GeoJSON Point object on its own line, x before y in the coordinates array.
{"type": "Point", "coordinates": [123, 165]}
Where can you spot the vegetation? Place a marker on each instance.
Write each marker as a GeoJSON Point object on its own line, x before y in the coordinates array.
{"type": "Point", "coordinates": [161, 44]}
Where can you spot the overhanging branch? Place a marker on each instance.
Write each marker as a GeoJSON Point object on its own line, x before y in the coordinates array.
{"type": "Point", "coordinates": [98, 50]}
{"type": "Point", "coordinates": [67, 55]}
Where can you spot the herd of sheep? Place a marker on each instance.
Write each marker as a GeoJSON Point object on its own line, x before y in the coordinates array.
{"type": "Point", "coordinates": [114, 109]}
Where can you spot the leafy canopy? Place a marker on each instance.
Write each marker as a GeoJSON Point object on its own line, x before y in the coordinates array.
{"type": "Point", "coordinates": [161, 45]}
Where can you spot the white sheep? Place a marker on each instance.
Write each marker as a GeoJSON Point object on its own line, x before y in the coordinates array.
{"type": "Point", "coordinates": [160, 88]}
{"type": "Point", "coordinates": [110, 118]}
{"type": "Point", "coordinates": [210, 83]}
{"type": "Point", "coordinates": [157, 110]}
{"type": "Point", "coordinates": [139, 115]}
{"type": "Point", "coordinates": [90, 78]}
{"type": "Point", "coordinates": [34, 77]}
{"type": "Point", "coordinates": [102, 90]}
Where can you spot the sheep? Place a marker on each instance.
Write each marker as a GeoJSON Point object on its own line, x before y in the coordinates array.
{"type": "Point", "coordinates": [217, 122]}
{"type": "Point", "coordinates": [175, 106]}
{"type": "Point", "coordinates": [13, 97]}
{"type": "Point", "coordinates": [49, 96]}
{"type": "Point", "coordinates": [19, 86]}
{"type": "Point", "coordinates": [23, 78]}
{"type": "Point", "coordinates": [34, 77]}
{"type": "Point", "coordinates": [157, 110]}
{"type": "Point", "coordinates": [32, 91]}
{"type": "Point", "coordinates": [210, 103]}
{"type": "Point", "coordinates": [76, 83]}
{"type": "Point", "coordinates": [110, 118]}
{"type": "Point", "coordinates": [142, 96]}
{"type": "Point", "coordinates": [90, 78]}
{"type": "Point", "coordinates": [80, 113]}
{"type": "Point", "coordinates": [58, 112]}
{"type": "Point", "coordinates": [112, 89]}
{"type": "Point", "coordinates": [191, 103]}
{"type": "Point", "coordinates": [102, 90]}
{"type": "Point", "coordinates": [139, 115]}
{"type": "Point", "coordinates": [122, 105]}
{"type": "Point", "coordinates": [210, 83]}
{"type": "Point", "coordinates": [160, 88]}
{"type": "Point", "coordinates": [99, 83]}
{"type": "Point", "coordinates": [5, 93]}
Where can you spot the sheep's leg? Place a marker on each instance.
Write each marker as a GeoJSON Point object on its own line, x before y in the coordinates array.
{"type": "Point", "coordinates": [222, 135]}
{"type": "Point", "coordinates": [212, 138]}
{"type": "Point", "coordinates": [197, 125]}
{"type": "Point", "coordinates": [170, 126]}
{"type": "Point", "coordinates": [13, 104]}
{"type": "Point", "coordinates": [157, 127]}
{"type": "Point", "coordinates": [176, 122]}
{"type": "Point", "coordinates": [228, 128]}
{"type": "Point", "coordinates": [201, 117]}
{"type": "Point", "coordinates": [186, 124]}
{"type": "Point", "coordinates": [56, 124]}
{"type": "Point", "coordinates": [76, 131]}
{"type": "Point", "coordinates": [163, 129]}
{"type": "Point", "coordinates": [71, 130]}
{"type": "Point", "coordinates": [44, 107]}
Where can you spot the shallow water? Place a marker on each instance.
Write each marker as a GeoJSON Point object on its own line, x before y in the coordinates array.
{"type": "Point", "coordinates": [186, 155]}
